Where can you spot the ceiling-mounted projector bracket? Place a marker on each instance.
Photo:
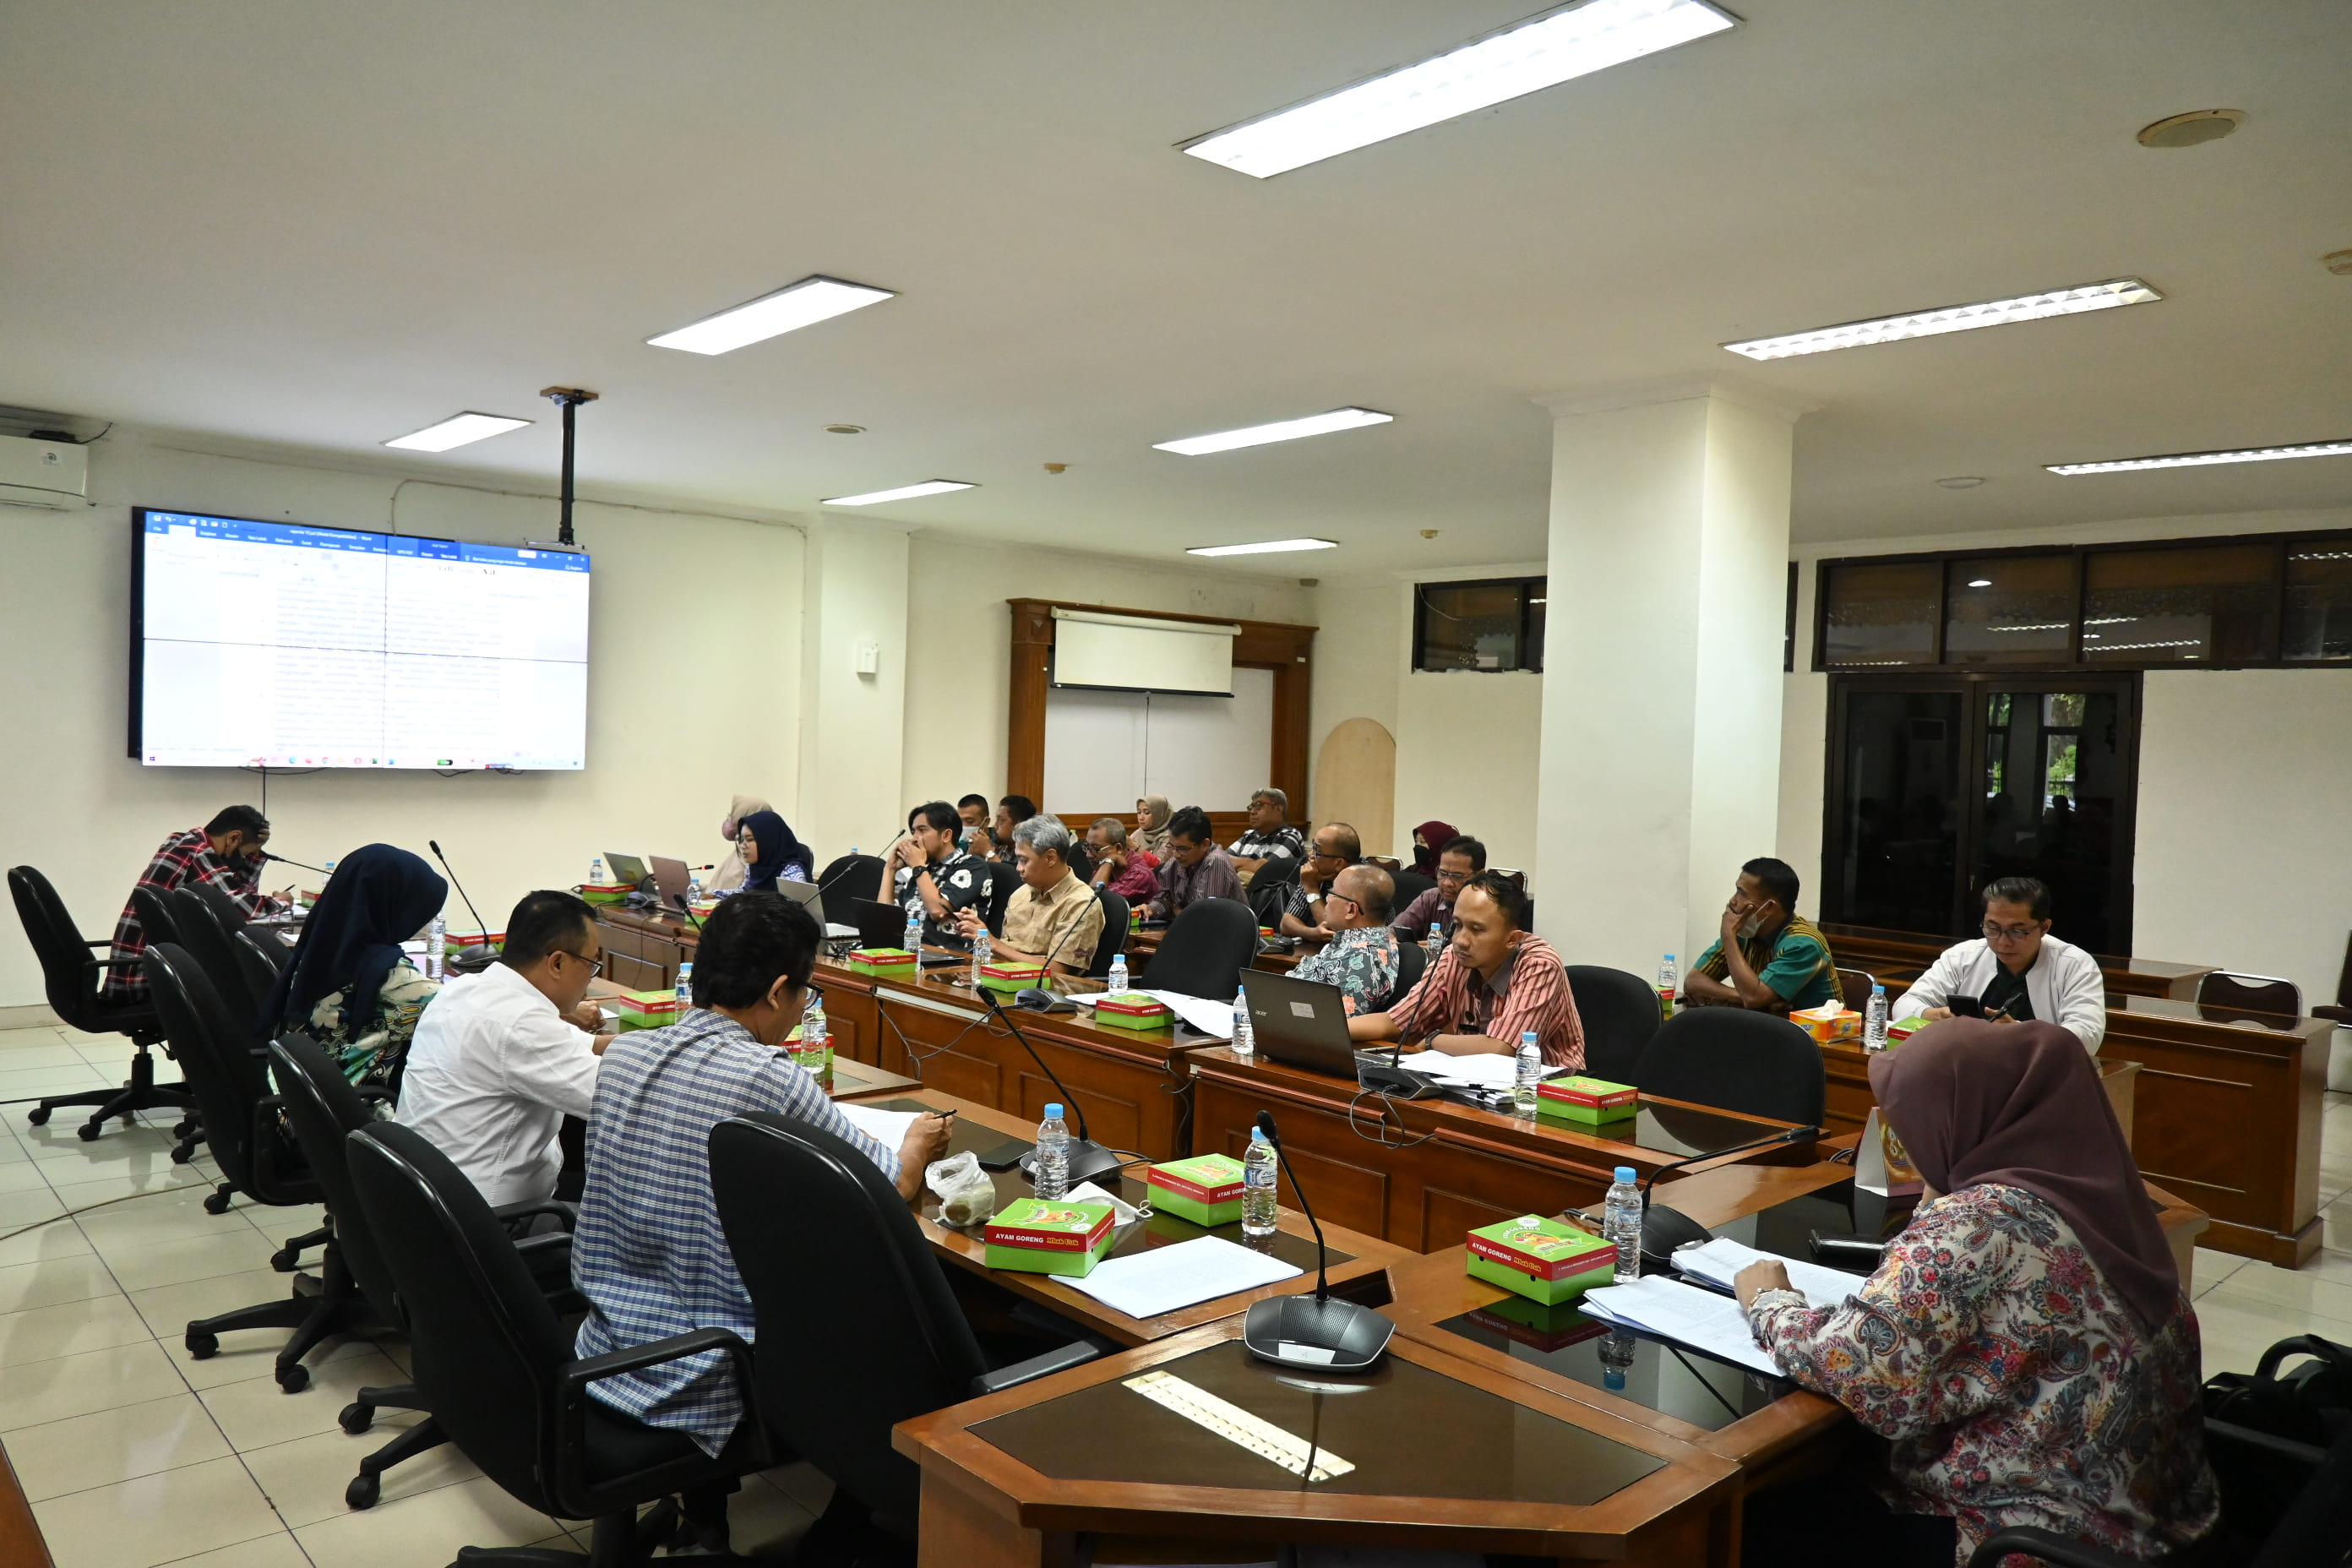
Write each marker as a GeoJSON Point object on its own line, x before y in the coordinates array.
{"type": "Point", "coordinates": [567, 398]}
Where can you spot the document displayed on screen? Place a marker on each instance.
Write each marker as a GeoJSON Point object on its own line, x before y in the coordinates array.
{"type": "Point", "coordinates": [277, 644]}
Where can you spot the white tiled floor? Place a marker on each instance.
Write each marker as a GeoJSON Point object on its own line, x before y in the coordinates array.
{"type": "Point", "coordinates": [134, 1455]}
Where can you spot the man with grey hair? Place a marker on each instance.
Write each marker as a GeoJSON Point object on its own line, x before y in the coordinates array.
{"type": "Point", "coordinates": [1053, 918]}
{"type": "Point", "coordinates": [1271, 840]}
{"type": "Point", "coordinates": [1121, 867]}
{"type": "Point", "coordinates": [1361, 958]}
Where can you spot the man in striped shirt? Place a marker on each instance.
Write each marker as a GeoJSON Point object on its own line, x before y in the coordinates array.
{"type": "Point", "coordinates": [649, 1253]}
{"type": "Point", "coordinates": [1495, 981]}
{"type": "Point", "coordinates": [226, 852]}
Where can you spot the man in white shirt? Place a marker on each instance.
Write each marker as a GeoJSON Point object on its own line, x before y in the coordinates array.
{"type": "Point", "coordinates": [501, 1057]}
{"type": "Point", "coordinates": [2017, 969]}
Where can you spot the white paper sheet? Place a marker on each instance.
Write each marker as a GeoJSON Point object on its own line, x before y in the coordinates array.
{"type": "Point", "coordinates": [1208, 1017]}
{"type": "Point", "coordinates": [1684, 1314]}
{"type": "Point", "coordinates": [1487, 1071]}
{"type": "Point", "coordinates": [1720, 1259]}
{"type": "Point", "coordinates": [887, 1128]}
{"type": "Point", "coordinates": [1146, 1284]}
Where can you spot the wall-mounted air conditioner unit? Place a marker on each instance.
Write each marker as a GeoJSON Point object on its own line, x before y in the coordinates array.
{"type": "Point", "coordinates": [52, 474]}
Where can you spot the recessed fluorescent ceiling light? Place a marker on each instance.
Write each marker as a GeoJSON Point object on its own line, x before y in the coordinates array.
{"type": "Point", "coordinates": [1541, 52]}
{"type": "Point", "coordinates": [2199, 459]}
{"type": "Point", "coordinates": [1952, 319]}
{"type": "Point", "coordinates": [904, 492]}
{"type": "Point", "coordinates": [797, 305]}
{"type": "Point", "coordinates": [1285, 430]}
{"type": "Point", "coordinates": [1264, 547]}
{"type": "Point", "coordinates": [455, 431]}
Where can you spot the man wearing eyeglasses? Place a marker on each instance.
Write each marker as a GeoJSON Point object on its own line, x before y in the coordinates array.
{"type": "Point", "coordinates": [501, 1057]}
{"type": "Point", "coordinates": [2017, 970]}
{"type": "Point", "coordinates": [1336, 848]}
{"type": "Point", "coordinates": [1462, 858]}
{"type": "Point", "coordinates": [1361, 958]}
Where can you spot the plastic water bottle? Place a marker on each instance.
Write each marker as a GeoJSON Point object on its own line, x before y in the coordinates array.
{"type": "Point", "coordinates": [1053, 1173]}
{"type": "Point", "coordinates": [914, 937]}
{"type": "Point", "coordinates": [693, 888]}
{"type": "Point", "coordinates": [330, 869]}
{"type": "Point", "coordinates": [1245, 1036]}
{"type": "Point", "coordinates": [595, 870]}
{"type": "Point", "coordinates": [1115, 986]}
{"type": "Point", "coordinates": [437, 938]}
{"type": "Point", "coordinates": [1434, 943]}
{"type": "Point", "coordinates": [1258, 1195]}
{"type": "Point", "coordinates": [1670, 981]}
{"type": "Point", "coordinates": [1530, 1073]}
{"type": "Point", "coordinates": [1621, 1222]}
{"type": "Point", "coordinates": [813, 1034]}
{"type": "Point", "coordinates": [685, 989]}
{"type": "Point", "coordinates": [1874, 1019]}
{"type": "Point", "coordinates": [1617, 1350]}
{"type": "Point", "coordinates": [980, 954]}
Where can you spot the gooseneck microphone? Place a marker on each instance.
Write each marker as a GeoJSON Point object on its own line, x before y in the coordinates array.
{"type": "Point", "coordinates": [884, 857]}
{"type": "Point", "coordinates": [1313, 1334]}
{"type": "Point", "coordinates": [282, 860]}
{"type": "Point", "coordinates": [1664, 1229]}
{"type": "Point", "coordinates": [684, 908]}
{"type": "Point", "coordinates": [466, 963]}
{"type": "Point", "coordinates": [1088, 1159]}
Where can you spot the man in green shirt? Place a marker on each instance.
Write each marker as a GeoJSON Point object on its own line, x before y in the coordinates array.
{"type": "Point", "coordinates": [1769, 959]}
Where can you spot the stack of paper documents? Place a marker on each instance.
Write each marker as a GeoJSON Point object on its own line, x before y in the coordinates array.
{"type": "Point", "coordinates": [887, 1128]}
{"type": "Point", "coordinates": [1685, 1314]}
{"type": "Point", "coordinates": [1146, 1284]}
{"type": "Point", "coordinates": [1490, 1069]}
{"type": "Point", "coordinates": [1720, 1261]}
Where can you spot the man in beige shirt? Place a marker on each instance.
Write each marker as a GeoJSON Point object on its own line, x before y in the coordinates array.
{"type": "Point", "coordinates": [1052, 916]}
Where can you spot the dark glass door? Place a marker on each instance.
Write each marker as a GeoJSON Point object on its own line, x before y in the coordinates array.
{"type": "Point", "coordinates": [1939, 784]}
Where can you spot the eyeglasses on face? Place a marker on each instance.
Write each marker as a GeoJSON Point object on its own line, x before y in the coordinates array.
{"type": "Point", "coordinates": [1455, 878]}
{"type": "Point", "coordinates": [595, 965]}
{"type": "Point", "coordinates": [2009, 933]}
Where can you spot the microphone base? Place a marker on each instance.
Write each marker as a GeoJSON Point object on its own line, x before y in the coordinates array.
{"type": "Point", "coordinates": [1309, 1335]}
{"type": "Point", "coordinates": [1089, 1161]}
{"type": "Point", "coordinates": [1664, 1229]}
{"type": "Point", "coordinates": [472, 962]}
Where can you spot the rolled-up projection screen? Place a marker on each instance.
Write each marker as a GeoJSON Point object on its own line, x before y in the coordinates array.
{"type": "Point", "coordinates": [1133, 653]}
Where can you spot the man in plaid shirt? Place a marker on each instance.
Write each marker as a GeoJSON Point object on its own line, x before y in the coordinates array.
{"type": "Point", "coordinates": [1494, 982]}
{"type": "Point", "coordinates": [226, 852]}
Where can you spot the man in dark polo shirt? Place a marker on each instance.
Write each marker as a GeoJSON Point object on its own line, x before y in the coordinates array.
{"type": "Point", "coordinates": [930, 877]}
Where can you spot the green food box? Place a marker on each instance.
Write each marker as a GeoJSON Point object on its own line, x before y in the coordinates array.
{"type": "Point", "coordinates": [889, 963]}
{"type": "Point", "coordinates": [647, 1009]}
{"type": "Point", "coordinates": [1049, 1236]}
{"type": "Point", "coordinates": [1904, 1028]}
{"type": "Point", "coordinates": [1588, 1101]}
{"type": "Point", "coordinates": [1012, 976]}
{"type": "Point", "coordinates": [606, 892]}
{"type": "Point", "coordinates": [1130, 1010]}
{"type": "Point", "coordinates": [1546, 1260]}
{"type": "Point", "coordinates": [1205, 1189]}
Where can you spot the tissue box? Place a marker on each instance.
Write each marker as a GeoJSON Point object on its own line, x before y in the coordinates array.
{"type": "Point", "coordinates": [1904, 1028]}
{"type": "Point", "coordinates": [1546, 1260]}
{"type": "Point", "coordinates": [606, 892]}
{"type": "Point", "coordinates": [1129, 1010]}
{"type": "Point", "coordinates": [1828, 1022]}
{"type": "Point", "coordinates": [1049, 1236]}
{"type": "Point", "coordinates": [1589, 1101]}
{"type": "Point", "coordinates": [889, 963]}
{"type": "Point", "coordinates": [1205, 1189]}
{"type": "Point", "coordinates": [1012, 976]}
{"type": "Point", "coordinates": [647, 1009]}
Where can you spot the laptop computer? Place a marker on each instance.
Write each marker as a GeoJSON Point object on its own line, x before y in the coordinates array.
{"type": "Point", "coordinates": [877, 924]}
{"type": "Point", "coordinates": [811, 897]}
{"type": "Point", "coordinates": [625, 869]}
{"type": "Point", "coordinates": [671, 881]}
{"type": "Point", "coordinates": [1302, 1023]}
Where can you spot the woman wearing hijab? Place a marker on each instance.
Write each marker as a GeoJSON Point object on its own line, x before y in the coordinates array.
{"type": "Point", "coordinates": [1151, 814]}
{"type": "Point", "coordinates": [350, 986]}
{"type": "Point", "coordinates": [730, 875]}
{"type": "Point", "coordinates": [2025, 1344]}
{"type": "Point", "coordinates": [771, 854]}
{"type": "Point", "coordinates": [1427, 840]}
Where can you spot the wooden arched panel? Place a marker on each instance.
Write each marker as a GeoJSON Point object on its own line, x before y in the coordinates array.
{"type": "Point", "coordinates": [1355, 782]}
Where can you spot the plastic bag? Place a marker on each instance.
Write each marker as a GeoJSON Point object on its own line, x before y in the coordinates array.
{"type": "Point", "coordinates": [967, 1193]}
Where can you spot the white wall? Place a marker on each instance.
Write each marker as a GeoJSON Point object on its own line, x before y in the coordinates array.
{"type": "Point", "coordinates": [853, 723]}
{"type": "Point", "coordinates": [677, 722]}
{"type": "Point", "coordinates": [959, 660]}
{"type": "Point", "coordinates": [1467, 743]}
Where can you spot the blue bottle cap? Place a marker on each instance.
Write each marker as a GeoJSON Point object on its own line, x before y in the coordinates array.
{"type": "Point", "coordinates": [1625, 1173]}
{"type": "Point", "coordinates": [1053, 1110]}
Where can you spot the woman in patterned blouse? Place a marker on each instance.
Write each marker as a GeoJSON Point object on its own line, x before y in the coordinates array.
{"type": "Point", "coordinates": [350, 986]}
{"type": "Point", "coordinates": [2025, 1345]}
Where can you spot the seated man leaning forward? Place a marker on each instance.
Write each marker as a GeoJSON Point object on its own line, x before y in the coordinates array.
{"type": "Point", "coordinates": [1494, 981]}
{"type": "Point", "coordinates": [1336, 847]}
{"type": "Point", "coordinates": [1053, 918]}
{"type": "Point", "coordinates": [649, 1253]}
{"type": "Point", "coordinates": [1769, 959]}
{"type": "Point", "coordinates": [1361, 958]}
{"type": "Point", "coordinates": [1196, 867]}
{"type": "Point", "coordinates": [2017, 970]}
{"type": "Point", "coordinates": [501, 1057]}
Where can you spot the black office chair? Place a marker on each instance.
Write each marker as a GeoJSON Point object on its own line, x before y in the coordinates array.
{"type": "Point", "coordinates": [1001, 877]}
{"type": "Point", "coordinates": [258, 1158]}
{"type": "Point", "coordinates": [1269, 901]}
{"type": "Point", "coordinates": [224, 906]}
{"type": "Point", "coordinates": [1205, 951]}
{"type": "Point", "coordinates": [1410, 885]}
{"type": "Point", "coordinates": [798, 1204]}
{"type": "Point", "coordinates": [253, 961]}
{"type": "Point", "coordinates": [498, 1372]}
{"type": "Point", "coordinates": [853, 877]}
{"type": "Point", "coordinates": [1736, 1060]}
{"type": "Point", "coordinates": [1115, 932]}
{"type": "Point", "coordinates": [1854, 988]}
{"type": "Point", "coordinates": [215, 947]}
{"type": "Point", "coordinates": [1620, 1014]}
{"type": "Point", "coordinates": [73, 982]}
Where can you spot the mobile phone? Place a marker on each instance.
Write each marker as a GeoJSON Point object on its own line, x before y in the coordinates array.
{"type": "Point", "coordinates": [1966, 1007]}
{"type": "Point", "coordinates": [1005, 1156]}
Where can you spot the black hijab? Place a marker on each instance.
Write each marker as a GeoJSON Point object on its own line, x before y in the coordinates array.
{"type": "Point", "coordinates": [778, 850]}
{"type": "Point", "coordinates": [378, 897]}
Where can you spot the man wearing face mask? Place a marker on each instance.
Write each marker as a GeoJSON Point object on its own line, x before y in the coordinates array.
{"type": "Point", "coordinates": [227, 852]}
{"type": "Point", "coordinates": [1769, 959]}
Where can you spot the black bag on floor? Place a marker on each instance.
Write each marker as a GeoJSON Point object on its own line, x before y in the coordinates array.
{"type": "Point", "coordinates": [2266, 1434]}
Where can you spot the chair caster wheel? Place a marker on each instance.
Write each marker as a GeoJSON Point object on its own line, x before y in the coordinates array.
{"type": "Point", "coordinates": [201, 1345]}
{"type": "Point", "coordinates": [88, 1132]}
{"type": "Point", "coordinates": [182, 1153]}
{"type": "Point", "coordinates": [293, 1379]}
{"type": "Point", "coordinates": [217, 1203]}
{"type": "Point", "coordinates": [285, 1260]}
{"type": "Point", "coordinates": [362, 1491]}
{"type": "Point", "coordinates": [37, 1117]}
{"type": "Point", "coordinates": [354, 1420]}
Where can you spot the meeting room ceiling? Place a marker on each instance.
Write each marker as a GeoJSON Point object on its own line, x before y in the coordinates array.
{"type": "Point", "coordinates": [325, 224]}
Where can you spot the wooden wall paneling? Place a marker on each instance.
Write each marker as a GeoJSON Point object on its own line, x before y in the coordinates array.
{"type": "Point", "coordinates": [1025, 739]}
{"type": "Point", "coordinates": [1354, 1180]}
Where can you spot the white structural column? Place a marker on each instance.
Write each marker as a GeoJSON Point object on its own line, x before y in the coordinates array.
{"type": "Point", "coordinates": [852, 686]}
{"type": "Point", "coordinates": [1668, 581]}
